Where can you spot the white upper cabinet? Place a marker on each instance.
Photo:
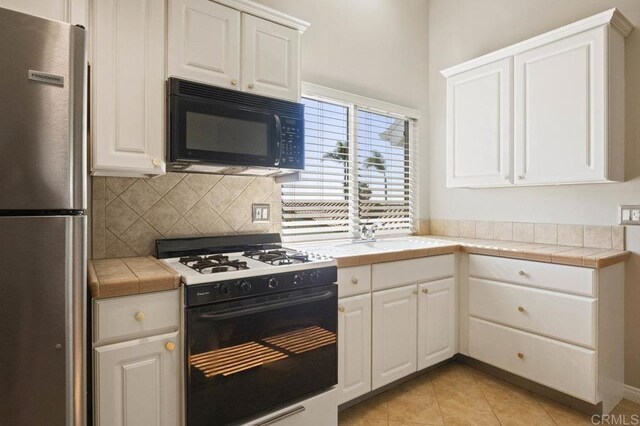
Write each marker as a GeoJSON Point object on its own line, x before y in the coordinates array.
{"type": "Point", "coordinates": [562, 123]}
{"type": "Point", "coordinates": [270, 59]}
{"type": "Point", "coordinates": [560, 111]}
{"type": "Point", "coordinates": [204, 42]}
{"type": "Point", "coordinates": [479, 126]}
{"type": "Point", "coordinates": [235, 44]}
{"type": "Point", "coordinates": [128, 87]}
{"type": "Point", "coordinates": [71, 11]}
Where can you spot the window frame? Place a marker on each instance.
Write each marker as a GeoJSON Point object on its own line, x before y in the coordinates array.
{"type": "Point", "coordinates": [355, 103]}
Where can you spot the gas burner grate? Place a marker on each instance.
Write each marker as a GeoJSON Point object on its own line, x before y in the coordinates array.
{"type": "Point", "coordinates": [277, 257]}
{"type": "Point", "coordinates": [189, 259]}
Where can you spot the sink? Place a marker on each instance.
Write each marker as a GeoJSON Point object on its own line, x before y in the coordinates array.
{"type": "Point", "coordinates": [351, 248]}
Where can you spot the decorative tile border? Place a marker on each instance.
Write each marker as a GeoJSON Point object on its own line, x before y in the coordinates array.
{"type": "Point", "coordinates": [593, 236]}
{"type": "Point", "coordinates": [129, 214]}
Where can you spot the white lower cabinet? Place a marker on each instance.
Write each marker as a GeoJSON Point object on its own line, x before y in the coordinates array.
{"type": "Point", "coordinates": [138, 382]}
{"type": "Point", "coordinates": [354, 347]}
{"type": "Point", "coordinates": [436, 322]}
{"type": "Point", "coordinates": [395, 314]}
{"type": "Point", "coordinates": [137, 359]}
{"type": "Point", "coordinates": [560, 326]}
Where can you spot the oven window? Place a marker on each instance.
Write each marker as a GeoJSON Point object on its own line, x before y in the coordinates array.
{"type": "Point", "coordinates": [248, 357]}
{"type": "Point", "coordinates": [215, 133]}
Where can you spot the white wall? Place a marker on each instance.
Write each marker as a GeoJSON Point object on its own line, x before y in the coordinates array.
{"type": "Point", "coordinates": [463, 29]}
{"type": "Point", "coordinates": [374, 48]}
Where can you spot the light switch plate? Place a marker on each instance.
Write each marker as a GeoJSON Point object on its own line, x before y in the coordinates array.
{"type": "Point", "coordinates": [260, 213]}
{"type": "Point", "coordinates": [629, 215]}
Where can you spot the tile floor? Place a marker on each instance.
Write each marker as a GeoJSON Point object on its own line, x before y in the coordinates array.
{"type": "Point", "coordinates": [456, 394]}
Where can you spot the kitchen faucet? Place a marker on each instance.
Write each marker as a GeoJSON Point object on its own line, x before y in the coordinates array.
{"type": "Point", "coordinates": [368, 234]}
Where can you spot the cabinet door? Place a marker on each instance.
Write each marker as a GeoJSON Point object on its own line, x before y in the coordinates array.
{"type": "Point", "coordinates": [394, 334]}
{"type": "Point", "coordinates": [560, 99]}
{"type": "Point", "coordinates": [270, 59]}
{"type": "Point", "coordinates": [479, 128]}
{"type": "Point", "coordinates": [128, 87]}
{"type": "Point", "coordinates": [71, 11]}
{"type": "Point", "coordinates": [354, 347]}
{"type": "Point", "coordinates": [436, 322]}
{"type": "Point", "coordinates": [138, 382]}
{"type": "Point", "coordinates": [204, 42]}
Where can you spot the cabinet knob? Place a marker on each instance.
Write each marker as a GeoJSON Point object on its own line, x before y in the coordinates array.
{"type": "Point", "coordinates": [170, 346]}
{"type": "Point", "coordinates": [425, 290]}
{"type": "Point", "coordinates": [520, 355]}
{"type": "Point", "coordinates": [234, 82]}
{"type": "Point", "coordinates": [520, 309]}
{"type": "Point", "coordinates": [505, 177]}
{"type": "Point", "coordinates": [250, 85]}
{"type": "Point", "coordinates": [156, 162]}
{"type": "Point", "coordinates": [140, 316]}
{"type": "Point", "coordinates": [415, 292]}
{"type": "Point", "coordinates": [341, 309]}
{"type": "Point", "coordinates": [522, 273]}
{"type": "Point", "coordinates": [520, 177]}
{"type": "Point", "coordinates": [354, 280]}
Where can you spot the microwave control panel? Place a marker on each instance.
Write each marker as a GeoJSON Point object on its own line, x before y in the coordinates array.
{"type": "Point", "coordinates": [292, 145]}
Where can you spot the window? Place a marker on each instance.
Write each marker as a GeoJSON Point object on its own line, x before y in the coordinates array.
{"type": "Point", "coordinates": [358, 171]}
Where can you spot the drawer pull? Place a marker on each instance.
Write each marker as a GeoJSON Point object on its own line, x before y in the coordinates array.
{"type": "Point", "coordinates": [341, 309]}
{"type": "Point", "coordinates": [354, 280]}
{"type": "Point", "coordinates": [140, 316]}
{"type": "Point", "coordinates": [520, 355]}
{"type": "Point", "coordinates": [521, 309]}
{"type": "Point", "coordinates": [170, 346]}
{"type": "Point", "coordinates": [425, 290]}
{"type": "Point", "coordinates": [522, 273]}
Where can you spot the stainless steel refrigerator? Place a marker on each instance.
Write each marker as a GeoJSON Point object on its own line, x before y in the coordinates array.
{"type": "Point", "coordinates": [42, 221]}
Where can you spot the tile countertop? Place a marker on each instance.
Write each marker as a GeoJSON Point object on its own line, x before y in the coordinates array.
{"type": "Point", "coordinates": [387, 250]}
{"type": "Point", "coordinates": [128, 276]}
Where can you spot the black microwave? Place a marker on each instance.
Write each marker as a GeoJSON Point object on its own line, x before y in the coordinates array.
{"type": "Point", "coordinates": [218, 130]}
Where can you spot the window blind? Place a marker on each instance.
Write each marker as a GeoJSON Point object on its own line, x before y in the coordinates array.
{"type": "Point", "coordinates": [358, 171]}
{"type": "Point", "coordinates": [317, 206]}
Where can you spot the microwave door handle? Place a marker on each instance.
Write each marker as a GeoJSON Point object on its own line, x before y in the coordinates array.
{"type": "Point", "coordinates": [278, 140]}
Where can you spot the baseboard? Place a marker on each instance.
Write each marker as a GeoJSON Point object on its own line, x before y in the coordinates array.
{"type": "Point", "coordinates": [632, 394]}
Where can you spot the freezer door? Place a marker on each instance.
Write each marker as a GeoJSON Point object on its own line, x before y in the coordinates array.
{"type": "Point", "coordinates": [42, 320]}
{"type": "Point", "coordinates": [42, 124]}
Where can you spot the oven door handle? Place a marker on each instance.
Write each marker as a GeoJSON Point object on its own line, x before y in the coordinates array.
{"type": "Point", "coordinates": [278, 140]}
{"type": "Point", "coordinates": [276, 419]}
{"type": "Point", "coordinates": [302, 300]}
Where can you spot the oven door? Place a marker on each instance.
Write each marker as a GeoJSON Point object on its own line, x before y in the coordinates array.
{"type": "Point", "coordinates": [222, 133]}
{"type": "Point", "coordinates": [252, 356]}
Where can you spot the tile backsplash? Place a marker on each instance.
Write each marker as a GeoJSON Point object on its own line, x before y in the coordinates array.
{"type": "Point", "coordinates": [596, 236]}
{"type": "Point", "coordinates": [129, 214]}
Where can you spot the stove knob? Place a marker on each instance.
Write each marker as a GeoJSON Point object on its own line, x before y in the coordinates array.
{"type": "Point", "coordinates": [314, 276]}
{"type": "Point", "coordinates": [245, 286]}
{"type": "Point", "coordinates": [273, 283]}
{"type": "Point", "coordinates": [224, 289]}
{"type": "Point", "coordinates": [297, 279]}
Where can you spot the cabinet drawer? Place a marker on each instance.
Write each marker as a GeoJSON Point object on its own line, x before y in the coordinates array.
{"type": "Point", "coordinates": [131, 316]}
{"type": "Point", "coordinates": [567, 368]}
{"type": "Point", "coordinates": [562, 316]}
{"type": "Point", "coordinates": [570, 279]}
{"type": "Point", "coordinates": [402, 272]}
{"type": "Point", "coordinates": [320, 410]}
{"type": "Point", "coordinates": [352, 281]}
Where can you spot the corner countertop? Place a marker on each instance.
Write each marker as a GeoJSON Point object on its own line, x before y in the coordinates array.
{"type": "Point", "coordinates": [393, 249]}
{"type": "Point", "coordinates": [130, 275]}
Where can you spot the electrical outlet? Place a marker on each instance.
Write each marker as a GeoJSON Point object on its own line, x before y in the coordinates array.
{"type": "Point", "coordinates": [260, 213]}
{"type": "Point", "coordinates": [629, 215]}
